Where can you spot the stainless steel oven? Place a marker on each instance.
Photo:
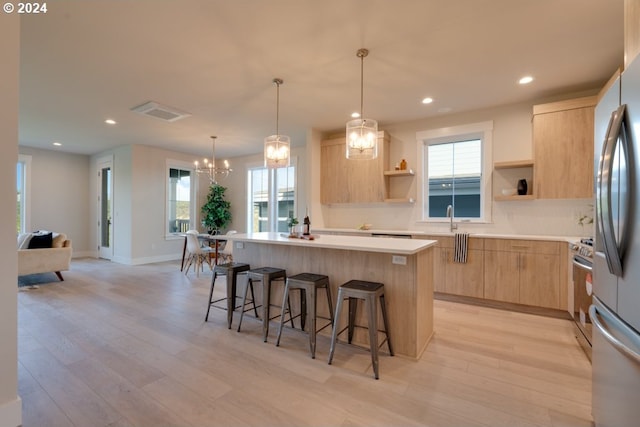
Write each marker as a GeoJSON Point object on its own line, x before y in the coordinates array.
{"type": "Point", "coordinates": [583, 291]}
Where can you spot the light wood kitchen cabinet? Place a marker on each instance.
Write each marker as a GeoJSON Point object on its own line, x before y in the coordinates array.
{"type": "Point", "coordinates": [401, 193]}
{"type": "Point", "coordinates": [523, 272]}
{"type": "Point", "coordinates": [507, 174]}
{"type": "Point", "coordinates": [345, 180]}
{"type": "Point", "coordinates": [563, 149]}
{"type": "Point", "coordinates": [631, 30]}
{"type": "Point", "coordinates": [458, 278]}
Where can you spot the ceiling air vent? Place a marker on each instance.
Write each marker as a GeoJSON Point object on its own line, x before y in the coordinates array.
{"type": "Point", "coordinates": [158, 111]}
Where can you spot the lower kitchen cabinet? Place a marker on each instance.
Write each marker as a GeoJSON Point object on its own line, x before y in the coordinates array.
{"type": "Point", "coordinates": [458, 278]}
{"type": "Point", "coordinates": [502, 276]}
{"type": "Point", "coordinates": [523, 271]}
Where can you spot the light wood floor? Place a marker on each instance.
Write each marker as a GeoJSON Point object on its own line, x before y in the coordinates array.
{"type": "Point", "coordinates": [117, 345]}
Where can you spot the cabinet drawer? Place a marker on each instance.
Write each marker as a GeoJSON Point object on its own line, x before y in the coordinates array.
{"type": "Point", "coordinates": [447, 242]}
{"type": "Point", "coordinates": [526, 246]}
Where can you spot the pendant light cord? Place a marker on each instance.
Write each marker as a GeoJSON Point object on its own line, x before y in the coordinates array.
{"type": "Point", "coordinates": [361, 53]}
{"type": "Point", "coordinates": [278, 82]}
{"type": "Point", "coordinates": [361, 85]}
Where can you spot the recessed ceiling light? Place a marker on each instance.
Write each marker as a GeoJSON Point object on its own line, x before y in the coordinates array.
{"type": "Point", "coordinates": [110, 122]}
{"type": "Point", "coordinates": [57, 144]}
{"type": "Point", "coordinates": [427, 100]}
{"type": "Point", "coordinates": [355, 115]}
{"type": "Point", "coordinates": [525, 80]}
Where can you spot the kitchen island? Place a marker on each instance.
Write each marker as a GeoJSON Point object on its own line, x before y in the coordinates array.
{"type": "Point", "coordinates": [404, 266]}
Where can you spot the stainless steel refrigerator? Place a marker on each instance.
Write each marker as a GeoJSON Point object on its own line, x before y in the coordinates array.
{"type": "Point", "coordinates": [615, 312]}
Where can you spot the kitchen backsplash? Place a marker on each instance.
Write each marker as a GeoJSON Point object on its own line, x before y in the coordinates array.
{"type": "Point", "coordinates": [534, 217]}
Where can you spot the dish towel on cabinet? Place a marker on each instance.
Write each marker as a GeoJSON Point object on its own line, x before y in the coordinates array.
{"type": "Point", "coordinates": [460, 245]}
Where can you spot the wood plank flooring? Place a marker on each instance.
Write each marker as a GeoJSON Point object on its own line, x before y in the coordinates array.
{"type": "Point", "coordinates": [120, 346]}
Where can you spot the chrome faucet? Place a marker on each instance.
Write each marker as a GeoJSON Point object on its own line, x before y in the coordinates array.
{"type": "Point", "coordinates": [452, 226]}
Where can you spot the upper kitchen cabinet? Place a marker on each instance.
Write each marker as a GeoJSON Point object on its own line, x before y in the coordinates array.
{"type": "Point", "coordinates": [563, 149]}
{"type": "Point", "coordinates": [353, 181]}
{"type": "Point", "coordinates": [631, 30]}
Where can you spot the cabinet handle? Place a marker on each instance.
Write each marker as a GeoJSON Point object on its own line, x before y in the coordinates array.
{"type": "Point", "coordinates": [519, 247]}
{"type": "Point", "coordinates": [522, 264]}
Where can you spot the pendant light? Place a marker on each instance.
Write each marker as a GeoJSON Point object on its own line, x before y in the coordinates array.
{"type": "Point", "coordinates": [276, 147]}
{"type": "Point", "coordinates": [362, 134]}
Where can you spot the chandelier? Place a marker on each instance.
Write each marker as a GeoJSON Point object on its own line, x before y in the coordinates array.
{"type": "Point", "coordinates": [209, 167]}
{"type": "Point", "coordinates": [276, 147]}
{"type": "Point", "coordinates": [362, 134]}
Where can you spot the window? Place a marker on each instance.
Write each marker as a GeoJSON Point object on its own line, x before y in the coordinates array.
{"type": "Point", "coordinates": [456, 164]}
{"type": "Point", "coordinates": [180, 198]}
{"type": "Point", "coordinates": [23, 193]}
{"type": "Point", "coordinates": [266, 185]}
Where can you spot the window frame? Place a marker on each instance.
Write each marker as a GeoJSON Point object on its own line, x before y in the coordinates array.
{"type": "Point", "coordinates": [482, 131]}
{"type": "Point", "coordinates": [272, 194]}
{"type": "Point", "coordinates": [25, 205]}
{"type": "Point", "coordinates": [185, 166]}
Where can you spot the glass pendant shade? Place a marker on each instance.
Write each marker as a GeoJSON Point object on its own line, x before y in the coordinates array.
{"type": "Point", "coordinates": [362, 139]}
{"type": "Point", "coordinates": [276, 151]}
{"type": "Point", "coordinates": [362, 134]}
{"type": "Point", "coordinates": [276, 147]}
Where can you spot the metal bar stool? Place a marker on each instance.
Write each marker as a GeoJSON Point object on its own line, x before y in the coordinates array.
{"type": "Point", "coordinates": [369, 292]}
{"type": "Point", "coordinates": [231, 270]}
{"type": "Point", "coordinates": [266, 275]}
{"type": "Point", "coordinates": [308, 284]}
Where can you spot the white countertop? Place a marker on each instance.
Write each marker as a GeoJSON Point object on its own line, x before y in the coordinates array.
{"type": "Point", "coordinates": [350, 243]}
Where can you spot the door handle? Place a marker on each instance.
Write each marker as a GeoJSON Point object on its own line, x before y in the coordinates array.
{"type": "Point", "coordinates": [615, 342]}
{"type": "Point", "coordinates": [614, 250]}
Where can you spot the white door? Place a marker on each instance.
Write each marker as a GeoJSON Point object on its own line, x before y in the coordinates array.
{"type": "Point", "coordinates": [105, 207]}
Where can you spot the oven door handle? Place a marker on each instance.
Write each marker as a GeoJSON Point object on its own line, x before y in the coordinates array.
{"type": "Point", "coordinates": [612, 339]}
{"type": "Point", "coordinates": [581, 264]}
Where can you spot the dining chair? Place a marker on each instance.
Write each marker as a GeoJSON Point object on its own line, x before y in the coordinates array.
{"type": "Point", "coordinates": [197, 254]}
{"type": "Point", "coordinates": [226, 254]}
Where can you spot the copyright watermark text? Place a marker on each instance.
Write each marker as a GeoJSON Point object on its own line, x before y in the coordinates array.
{"type": "Point", "coordinates": [32, 8]}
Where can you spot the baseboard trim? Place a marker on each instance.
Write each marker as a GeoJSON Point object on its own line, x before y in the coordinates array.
{"type": "Point", "coordinates": [500, 305]}
{"type": "Point", "coordinates": [11, 413]}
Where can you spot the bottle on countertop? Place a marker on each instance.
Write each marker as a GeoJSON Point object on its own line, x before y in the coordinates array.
{"type": "Point", "coordinates": [306, 228]}
{"type": "Point", "coordinates": [403, 164]}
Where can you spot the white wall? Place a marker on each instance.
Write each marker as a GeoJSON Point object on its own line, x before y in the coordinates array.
{"type": "Point", "coordinates": [139, 204]}
{"type": "Point", "coordinates": [10, 404]}
{"type": "Point", "coordinates": [511, 141]}
{"type": "Point", "coordinates": [60, 195]}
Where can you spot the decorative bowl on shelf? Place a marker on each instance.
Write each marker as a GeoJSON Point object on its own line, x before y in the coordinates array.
{"type": "Point", "coordinates": [508, 191]}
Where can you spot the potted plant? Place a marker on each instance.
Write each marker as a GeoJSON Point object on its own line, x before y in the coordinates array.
{"type": "Point", "coordinates": [216, 213]}
{"type": "Point", "coordinates": [292, 222]}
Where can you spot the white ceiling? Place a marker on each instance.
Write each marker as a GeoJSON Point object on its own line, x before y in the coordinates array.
{"type": "Point", "coordinates": [85, 61]}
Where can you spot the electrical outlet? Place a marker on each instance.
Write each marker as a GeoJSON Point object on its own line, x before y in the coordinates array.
{"type": "Point", "coordinates": [398, 259]}
{"type": "Point", "coordinates": [239, 245]}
